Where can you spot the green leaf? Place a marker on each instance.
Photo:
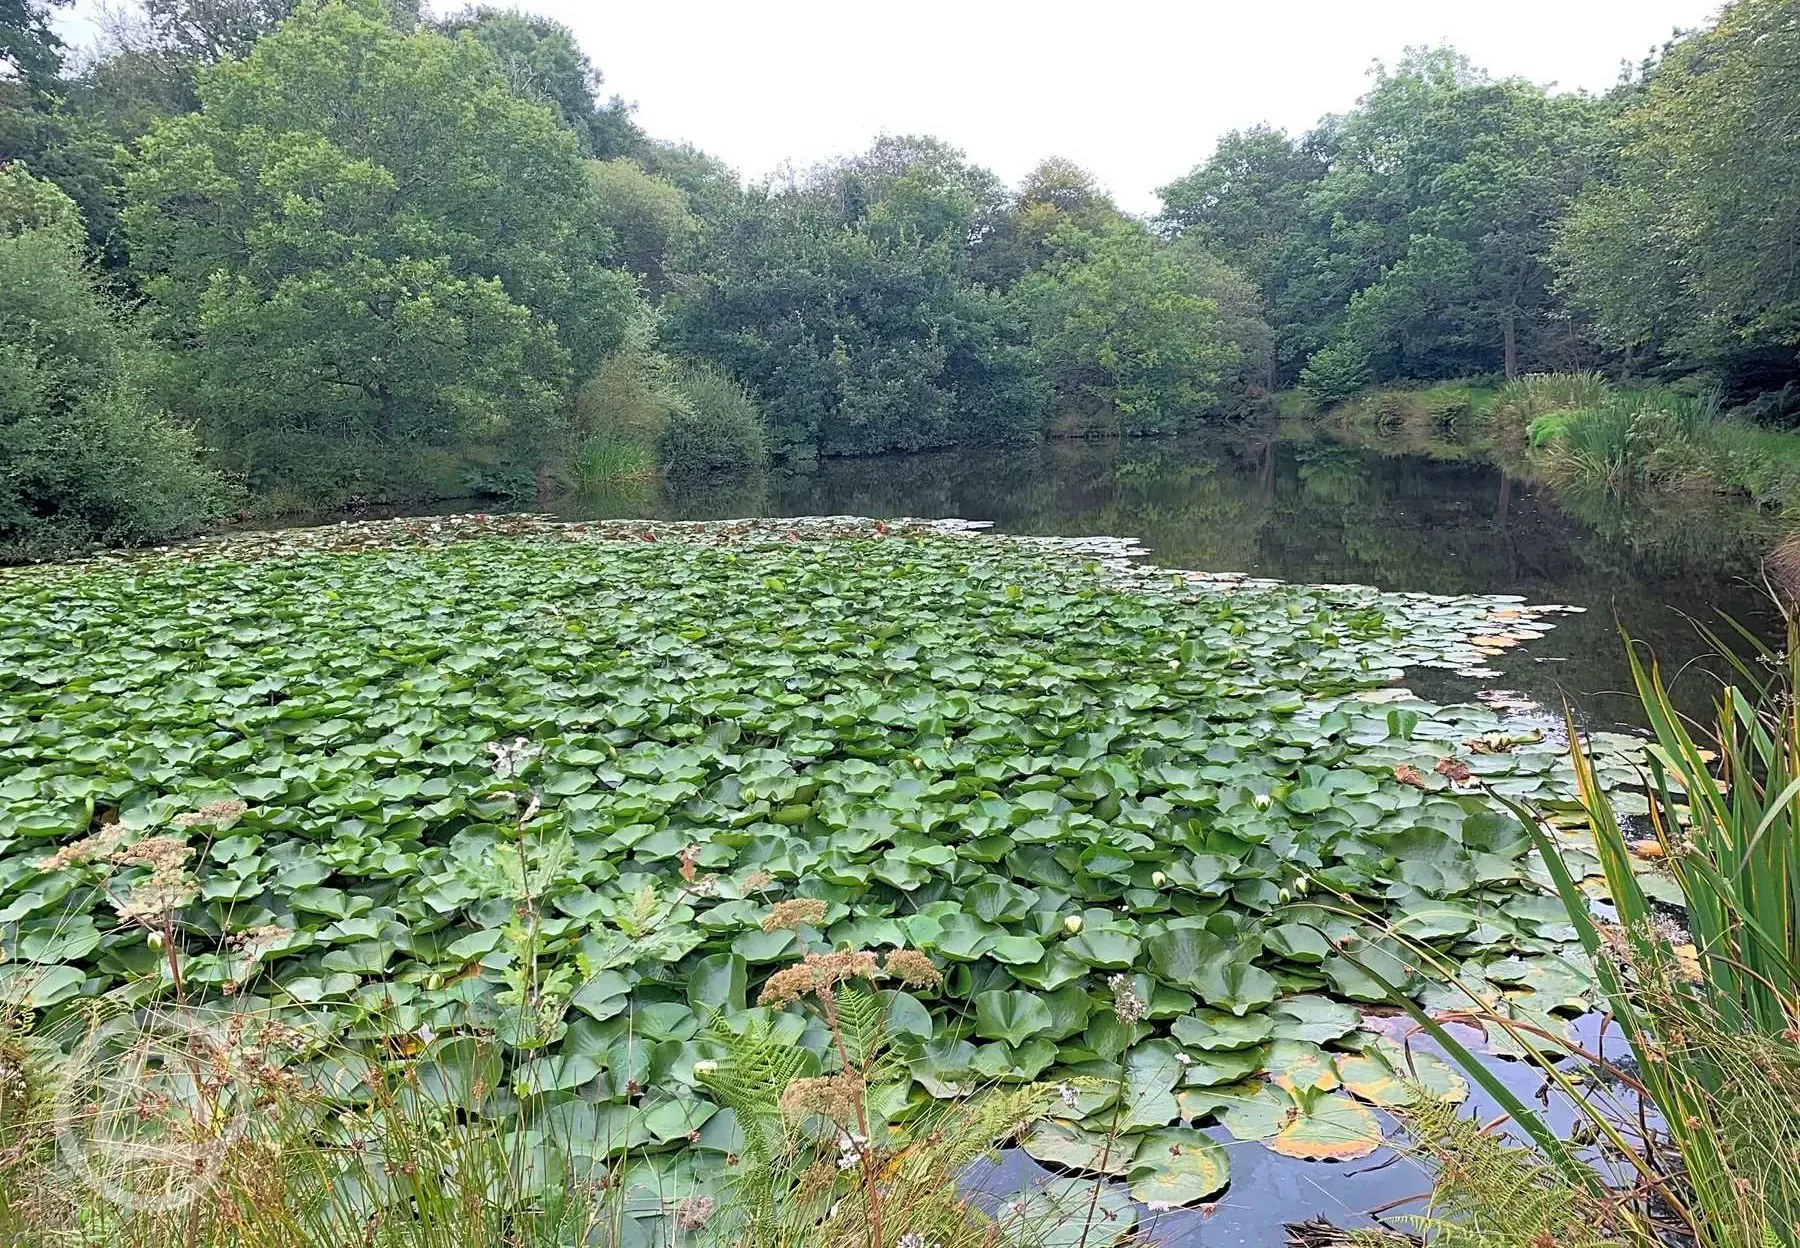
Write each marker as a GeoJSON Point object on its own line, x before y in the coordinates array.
{"type": "Point", "coordinates": [1011, 1016]}
{"type": "Point", "coordinates": [1177, 1166]}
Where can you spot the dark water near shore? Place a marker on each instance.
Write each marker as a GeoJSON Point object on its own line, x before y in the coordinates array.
{"type": "Point", "coordinates": [1312, 510]}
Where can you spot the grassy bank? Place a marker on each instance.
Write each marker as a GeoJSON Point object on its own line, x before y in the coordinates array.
{"type": "Point", "coordinates": [1583, 434]}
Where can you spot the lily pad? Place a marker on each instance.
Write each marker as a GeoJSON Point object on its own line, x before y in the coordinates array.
{"type": "Point", "coordinates": [1177, 1166]}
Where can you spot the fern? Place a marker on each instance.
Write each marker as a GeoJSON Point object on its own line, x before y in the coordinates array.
{"type": "Point", "coordinates": [862, 1021]}
{"type": "Point", "coordinates": [749, 1080]}
{"type": "Point", "coordinates": [1492, 1194]}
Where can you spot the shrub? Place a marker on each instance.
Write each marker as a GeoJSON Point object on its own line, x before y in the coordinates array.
{"type": "Point", "coordinates": [1333, 375]}
{"type": "Point", "coordinates": [1523, 400]}
{"type": "Point", "coordinates": [618, 415]}
{"type": "Point", "coordinates": [716, 428]}
{"type": "Point", "coordinates": [1392, 407]}
{"type": "Point", "coordinates": [85, 457]}
{"type": "Point", "coordinates": [1449, 411]}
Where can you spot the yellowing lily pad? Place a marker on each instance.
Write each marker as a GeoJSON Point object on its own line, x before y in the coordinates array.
{"type": "Point", "coordinates": [1383, 1075]}
{"type": "Point", "coordinates": [1177, 1166]}
{"type": "Point", "coordinates": [1328, 1127]}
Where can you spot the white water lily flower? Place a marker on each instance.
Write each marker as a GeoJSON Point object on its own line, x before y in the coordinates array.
{"type": "Point", "coordinates": [1072, 924]}
{"type": "Point", "coordinates": [1158, 879]}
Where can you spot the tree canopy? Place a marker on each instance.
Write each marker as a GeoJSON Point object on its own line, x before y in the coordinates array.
{"type": "Point", "coordinates": [342, 220]}
{"type": "Point", "coordinates": [452, 262]}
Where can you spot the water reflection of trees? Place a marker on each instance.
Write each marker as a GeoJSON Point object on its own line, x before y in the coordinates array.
{"type": "Point", "coordinates": [1306, 508]}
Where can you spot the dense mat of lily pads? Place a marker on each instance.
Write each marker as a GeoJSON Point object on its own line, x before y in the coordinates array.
{"type": "Point", "coordinates": [526, 797]}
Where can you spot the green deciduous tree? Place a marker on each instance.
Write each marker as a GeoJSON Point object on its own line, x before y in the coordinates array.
{"type": "Point", "coordinates": [844, 301]}
{"type": "Point", "coordinates": [541, 60]}
{"type": "Point", "coordinates": [1409, 235]}
{"type": "Point", "coordinates": [648, 217]}
{"type": "Point", "coordinates": [1132, 328]}
{"type": "Point", "coordinates": [30, 50]}
{"type": "Point", "coordinates": [1248, 205]}
{"type": "Point", "coordinates": [1689, 252]}
{"type": "Point", "coordinates": [397, 249]}
{"type": "Point", "coordinates": [84, 456]}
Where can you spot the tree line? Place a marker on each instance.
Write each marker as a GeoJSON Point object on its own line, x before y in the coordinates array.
{"type": "Point", "coordinates": [1453, 224]}
{"type": "Point", "coordinates": [292, 253]}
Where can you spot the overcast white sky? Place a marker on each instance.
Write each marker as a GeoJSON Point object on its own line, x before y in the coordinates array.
{"type": "Point", "coordinates": [1135, 90]}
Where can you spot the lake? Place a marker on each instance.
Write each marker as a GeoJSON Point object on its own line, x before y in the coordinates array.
{"type": "Point", "coordinates": [1297, 506]}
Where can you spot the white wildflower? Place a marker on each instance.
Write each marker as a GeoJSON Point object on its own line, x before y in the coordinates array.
{"type": "Point", "coordinates": [510, 760]}
{"type": "Point", "coordinates": [1128, 1007]}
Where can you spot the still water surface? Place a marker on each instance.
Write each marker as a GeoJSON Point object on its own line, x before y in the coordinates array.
{"type": "Point", "coordinates": [1317, 511]}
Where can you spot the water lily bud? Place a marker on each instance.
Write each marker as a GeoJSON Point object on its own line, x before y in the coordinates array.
{"type": "Point", "coordinates": [1072, 924]}
{"type": "Point", "coordinates": [1282, 896]}
{"type": "Point", "coordinates": [705, 1068]}
{"type": "Point", "coordinates": [434, 982]}
{"type": "Point", "coordinates": [1302, 884]}
{"type": "Point", "coordinates": [1261, 800]}
{"type": "Point", "coordinates": [156, 940]}
{"type": "Point", "coordinates": [1158, 879]}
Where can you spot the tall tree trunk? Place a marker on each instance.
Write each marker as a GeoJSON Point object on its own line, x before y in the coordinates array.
{"type": "Point", "coordinates": [1512, 348]}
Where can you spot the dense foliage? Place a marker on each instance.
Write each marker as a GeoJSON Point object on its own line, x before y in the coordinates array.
{"type": "Point", "coordinates": [1686, 252]}
{"type": "Point", "coordinates": [384, 292]}
{"type": "Point", "coordinates": [85, 458]}
{"type": "Point", "coordinates": [551, 796]}
{"type": "Point", "coordinates": [430, 240]}
{"type": "Point", "coordinates": [1454, 225]}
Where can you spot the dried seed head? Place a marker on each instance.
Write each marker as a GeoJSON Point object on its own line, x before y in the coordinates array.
{"type": "Point", "coordinates": [693, 1212]}
{"type": "Point", "coordinates": [789, 915]}
{"type": "Point", "coordinates": [912, 968]}
{"type": "Point", "coordinates": [837, 1098]}
{"type": "Point", "coordinates": [818, 974]}
{"type": "Point", "coordinates": [220, 815]}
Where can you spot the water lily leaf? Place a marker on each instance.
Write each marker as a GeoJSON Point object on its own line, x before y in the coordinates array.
{"type": "Point", "coordinates": [1300, 1066]}
{"type": "Point", "coordinates": [1383, 1075]}
{"type": "Point", "coordinates": [1016, 950]}
{"type": "Point", "coordinates": [1212, 1029]}
{"type": "Point", "coordinates": [1222, 974]}
{"type": "Point", "coordinates": [1297, 942]}
{"type": "Point", "coordinates": [464, 1072]}
{"type": "Point", "coordinates": [1328, 1127]}
{"type": "Point", "coordinates": [1108, 950]}
{"type": "Point", "coordinates": [1177, 1166]}
{"type": "Point", "coordinates": [1254, 1111]}
{"type": "Point", "coordinates": [1011, 1016]}
{"type": "Point", "coordinates": [718, 982]}
{"type": "Point", "coordinates": [1077, 1148]}
{"type": "Point", "coordinates": [38, 987]}
{"type": "Point", "coordinates": [1313, 1018]}
{"type": "Point", "coordinates": [1067, 1213]}
{"type": "Point", "coordinates": [554, 1074]}
{"type": "Point", "coordinates": [1208, 1069]}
